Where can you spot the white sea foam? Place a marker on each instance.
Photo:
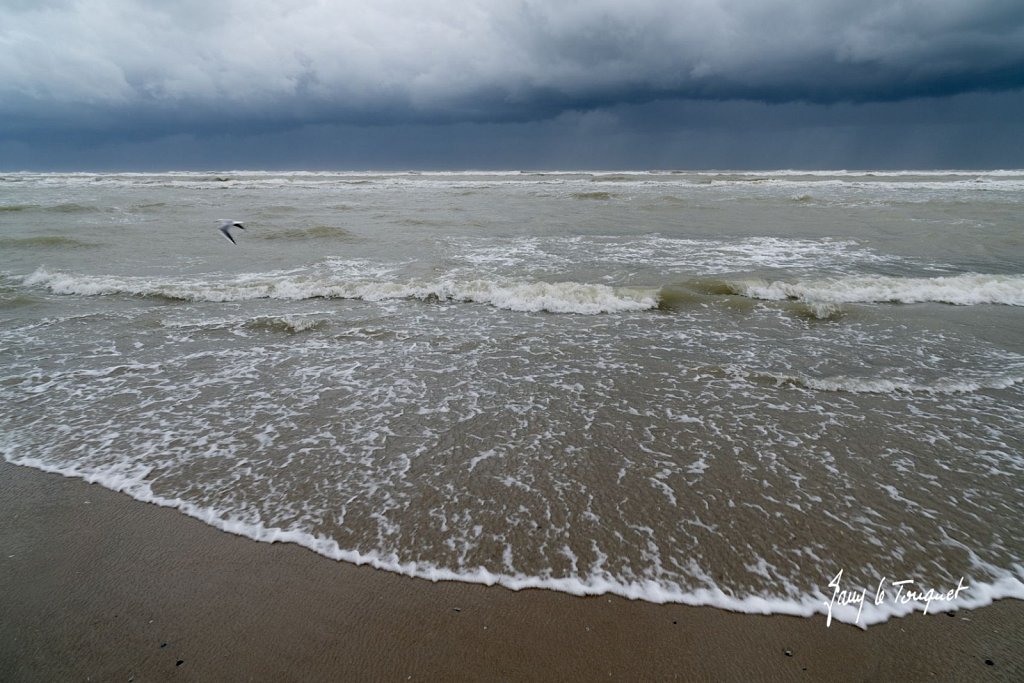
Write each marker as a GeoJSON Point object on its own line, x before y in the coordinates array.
{"type": "Point", "coordinates": [670, 254]}
{"type": "Point", "coordinates": [964, 290]}
{"type": "Point", "coordinates": [888, 386]}
{"type": "Point", "coordinates": [463, 436]}
{"type": "Point", "coordinates": [130, 480]}
{"type": "Point", "coordinates": [882, 385]}
{"type": "Point", "coordinates": [553, 297]}
{"type": "Point", "coordinates": [901, 182]}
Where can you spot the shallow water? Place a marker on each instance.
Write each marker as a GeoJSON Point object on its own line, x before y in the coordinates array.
{"type": "Point", "coordinates": [697, 387]}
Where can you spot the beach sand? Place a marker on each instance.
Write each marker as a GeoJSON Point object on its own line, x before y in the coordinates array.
{"type": "Point", "coordinates": [97, 586]}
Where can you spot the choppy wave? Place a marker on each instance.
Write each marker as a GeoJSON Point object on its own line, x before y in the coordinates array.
{"type": "Point", "coordinates": [962, 290]}
{"type": "Point", "coordinates": [557, 297]}
{"type": "Point", "coordinates": [821, 299]}
{"type": "Point", "coordinates": [286, 323]}
{"type": "Point", "coordinates": [722, 293]}
{"type": "Point", "coordinates": [623, 454]}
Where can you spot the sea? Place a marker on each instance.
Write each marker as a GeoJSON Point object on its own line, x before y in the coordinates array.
{"type": "Point", "coordinates": [765, 392]}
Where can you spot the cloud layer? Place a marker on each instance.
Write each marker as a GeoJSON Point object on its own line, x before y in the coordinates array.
{"type": "Point", "coordinates": [193, 65]}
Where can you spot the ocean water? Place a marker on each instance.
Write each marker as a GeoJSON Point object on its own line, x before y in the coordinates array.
{"type": "Point", "coordinates": [707, 388]}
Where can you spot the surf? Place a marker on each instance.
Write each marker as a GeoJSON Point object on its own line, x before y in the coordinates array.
{"type": "Point", "coordinates": [529, 296]}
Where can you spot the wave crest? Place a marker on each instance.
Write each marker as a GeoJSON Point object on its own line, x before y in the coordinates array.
{"type": "Point", "coordinates": [557, 297]}
{"type": "Point", "coordinates": [962, 290]}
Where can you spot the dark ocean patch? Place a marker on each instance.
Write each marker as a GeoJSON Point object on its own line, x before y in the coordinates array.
{"type": "Point", "coordinates": [143, 208]}
{"type": "Point", "coordinates": [44, 242]}
{"type": "Point", "coordinates": [72, 207]}
{"type": "Point", "coordinates": [419, 222]}
{"type": "Point", "coordinates": [286, 324]}
{"type": "Point", "coordinates": [278, 208]}
{"type": "Point", "coordinates": [617, 178]}
{"type": "Point", "coordinates": [317, 232]}
{"type": "Point", "coordinates": [17, 299]}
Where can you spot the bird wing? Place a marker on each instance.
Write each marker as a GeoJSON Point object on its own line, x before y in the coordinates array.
{"type": "Point", "coordinates": [224, 229]}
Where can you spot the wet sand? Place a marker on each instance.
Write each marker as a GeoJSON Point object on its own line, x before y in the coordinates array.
{"type": "Point", "coordinates": [96, 586]}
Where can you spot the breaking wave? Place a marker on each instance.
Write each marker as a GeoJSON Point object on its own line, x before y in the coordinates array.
{"type": "Point", "coordinates": [286, 323]}
{"type": "Point", "coordinates": [820, 299]}
{"type": "Point", "coordinates": [962, 290]}
{"type": "Point", "coordinates": [556, 297]}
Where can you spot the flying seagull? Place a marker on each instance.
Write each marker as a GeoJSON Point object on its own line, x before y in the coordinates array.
{"type": "Point", "coordinates": [225, 227]}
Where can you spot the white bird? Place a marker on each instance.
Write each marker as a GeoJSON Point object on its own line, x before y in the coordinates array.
{"type": "Point", "coordinates": [225, 227]}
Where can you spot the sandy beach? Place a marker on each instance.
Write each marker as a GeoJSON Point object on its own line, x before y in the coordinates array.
{"type": "Point", "coordinates": [97, 586]}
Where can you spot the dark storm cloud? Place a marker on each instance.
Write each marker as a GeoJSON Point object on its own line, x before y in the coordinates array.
{"type": "Point", "coordinates": [973, 130]}
{"type": "Point", "coordinates": [120, 66]}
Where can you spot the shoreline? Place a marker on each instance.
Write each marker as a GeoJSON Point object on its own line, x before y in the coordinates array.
{"type": "Point", "coordinates": [98, 585]}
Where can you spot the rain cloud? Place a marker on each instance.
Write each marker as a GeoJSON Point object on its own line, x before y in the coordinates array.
{"type": "Point", "coordinates": [146, 69]}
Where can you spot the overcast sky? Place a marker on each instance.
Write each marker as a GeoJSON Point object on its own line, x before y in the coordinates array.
{"type": "Point", "coordinates": [164, 84]}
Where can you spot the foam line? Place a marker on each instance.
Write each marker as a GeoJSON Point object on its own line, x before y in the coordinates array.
{"type": "Point", "coordinates": [131, 482]}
